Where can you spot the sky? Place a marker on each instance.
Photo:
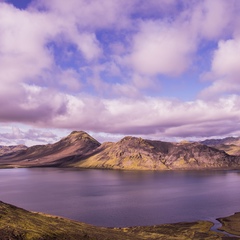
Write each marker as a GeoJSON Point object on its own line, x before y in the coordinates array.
{"type": "Point", "coordinates": [159, 69]}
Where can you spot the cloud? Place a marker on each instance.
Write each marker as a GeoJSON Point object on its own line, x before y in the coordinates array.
{"type": "Point", "coordinates": [151, 116]}
{"type": "Point", "coordinates": [93, 65]}
{"type": "Point", "coordinates": [31, 136]}
{"type": "Point", "coordinates": [89, 14]}
{"type": "Point", "coordinates": [69, 79]}
{"type": "Point", "coordinates": [19, 60]}
{"type": "Point", "coordinates": [161, 48]}
{"type": "Point", "coordinates": [152, 8]}
{"type": "Point", "coordinates": [225, 69]}
{"type": "Point", "coordinates": [169, 45]}
{"type": "Point", "coordinates": [36, 105]}
{"type": "Point", "coordinates": [212, 19]}
{"type": "Point", "coordinates": [29, 62]}
{"type": "Point", "coordinates": [226, 59]}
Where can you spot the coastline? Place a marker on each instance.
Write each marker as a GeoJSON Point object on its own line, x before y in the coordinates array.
{"type": "Point", "coordinates": [17, 223]}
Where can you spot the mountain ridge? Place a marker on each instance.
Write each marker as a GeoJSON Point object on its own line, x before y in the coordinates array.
{"type": "Point", "coordinates": [12, 148]}
{"type": "Point", "coordinates": [142, 154]}
{"type": "Point", "coordinates": [81, 150]}
{"type": "Point", "coordinates": [230, 145]}
{"type": "Point", "coordinates": [76, 143]}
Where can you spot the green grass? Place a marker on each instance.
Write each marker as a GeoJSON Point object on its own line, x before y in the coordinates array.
{"type": "Point", "coordinates": [19, 224]}
{"type": "Point", "coordinates": [231, 224]}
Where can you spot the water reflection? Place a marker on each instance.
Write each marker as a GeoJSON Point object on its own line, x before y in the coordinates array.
{"type": "Point", "coordinates": [123, 198]}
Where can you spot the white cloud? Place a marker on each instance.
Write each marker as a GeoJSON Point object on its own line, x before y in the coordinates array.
{"type": "Point", "coordinates": [225, 69]}
{"type": "Point", "coordinates": [69, 79]}
{"type": "Point", "coordinates": [150, 116]}
{"type": "Point", "coordinates": [22, 40]}
{"type": "Point", "coordinates": [90, 14]}
{"type": "Point", "coordinates": [13, 135]}
{"type": "Point", "coordinates": [162, 48]}
{"type": "Point", "coordinates": [212, 19]}
{"type": "Point", "coordinates": [144, 39]}
{"type": "Point", "coordinates": [226, 59]}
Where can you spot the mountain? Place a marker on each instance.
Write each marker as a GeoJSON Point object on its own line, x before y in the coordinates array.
{"type": "Point", "coordinates": [77, 143]}
{"type": "Point", "coordinates": [10, 149]}
{"type": "Point", "coordinates": [141, 154]}
{"type": "Point", "coordinates": [79, 149]}
{"type": "Point", "coordinates": [230, 145]}
{"type": "Point", "coordinates": [19, 224]}
{"type": "Point", "coordinates": [128, 153]}
{"type": "Point", "coordinates": [223, 141]}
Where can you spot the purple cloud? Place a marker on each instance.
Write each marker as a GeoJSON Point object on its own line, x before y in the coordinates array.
{"type": "Point", "coordinates": [103, 67]}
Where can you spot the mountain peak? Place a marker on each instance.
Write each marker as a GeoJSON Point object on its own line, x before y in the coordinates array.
{"type": "Point", "coordinates": [128, 138]}
{"type": "Point", "coordinates": [81, 135]}
{"type": "Point", "coordinates": [77, 133]}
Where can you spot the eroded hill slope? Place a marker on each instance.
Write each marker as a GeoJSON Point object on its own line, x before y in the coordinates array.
{"type": "Point", "coordinates": [77, 143]}
{"type": "Point", "coordinates": [141, 154]}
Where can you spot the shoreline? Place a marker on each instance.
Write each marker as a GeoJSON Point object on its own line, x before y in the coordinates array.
{"type": "Point", "coordinates": [120, 169]}
{"type": "Point", "coordinates": [16, 222]}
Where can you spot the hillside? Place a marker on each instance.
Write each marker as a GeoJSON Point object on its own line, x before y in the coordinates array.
{"type": "Point", "coordinates": [19, 224]}
{"type": "Point", "coordinates": [223, 141]}
{"type": "Point", "coordinates": [79, 149]}
{"type": "Point", "coordinates": [230, 145]}
{"type": "Point", "coordinates": [11, 149]}
{"type": "Point", "coordinates": [141, 154]}
{"type": "Point", "coordinates": [77, 143]}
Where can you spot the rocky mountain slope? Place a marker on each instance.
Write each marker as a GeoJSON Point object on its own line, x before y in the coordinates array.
{"type": "Point", "coordinates": [225, 141]}
{"type": "Point", "coordinates": [141, 154]}
{"type": "Point", "coordinates": [81, 150]}
{"type": "Point", "coordinates": [10, 149]}
{"type": "Point", "coordinates": [77, 143]}
{"type": "Point", "coordinates": [230, 145]}
{"type": "Point", "coordinates": [19, 224]}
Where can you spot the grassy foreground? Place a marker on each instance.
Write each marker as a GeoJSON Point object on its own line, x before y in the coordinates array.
{"type": "Point", "coordinates": [17, 223]}
{"type": "Point", "coordinates": [231, 224]}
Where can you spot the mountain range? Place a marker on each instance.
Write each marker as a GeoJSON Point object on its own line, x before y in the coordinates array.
{"type": "Point", "coordinates": [81, 150]}
{"type": "Point", "coordinates": [230, 145]}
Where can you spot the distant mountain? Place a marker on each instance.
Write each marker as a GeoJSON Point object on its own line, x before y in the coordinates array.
{"type": "Point", "coordinates": [225, 141]}
{"type": "Point", "coordinates": [10, 149]}
{"type": "Point", "coordinates": [77, 143]}
{"type": "Point", "coordinates": [230, 145]}
{"type": "Point", "coordinates": [138, 153]}
{"type": "Point", "coordinates": [79, 149]}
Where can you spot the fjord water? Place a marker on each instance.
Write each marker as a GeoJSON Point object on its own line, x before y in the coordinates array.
{"type": "Point", "coordinates": [123, 198]}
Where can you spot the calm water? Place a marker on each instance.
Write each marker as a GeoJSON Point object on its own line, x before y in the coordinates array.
{"type": "Point", "coordinates": [117, 198]}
